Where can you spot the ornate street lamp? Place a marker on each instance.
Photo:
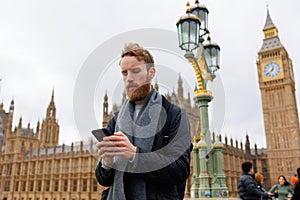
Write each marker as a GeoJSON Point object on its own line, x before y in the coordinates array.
{"type": "Point", "coordinates": [201, 12]}
{"type": "Point", "coordinates": [188, 30]}
{"type": "Point", "coordinates": [213, 50]}
{"type": "Point", "coordinates": [208, 176]}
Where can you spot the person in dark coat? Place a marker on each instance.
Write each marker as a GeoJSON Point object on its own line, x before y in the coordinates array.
{"type": "Point", "coordinates": [247, 186]}
{"type": "Point", "coordinates": [259, 178]}
{"type": "Point", "coordinates": [146, 154]}
{"type": "Point", "coordinates": [296, 195]}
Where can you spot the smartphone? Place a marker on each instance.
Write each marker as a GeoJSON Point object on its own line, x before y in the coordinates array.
{"type": "Point", "coordinates": [100, 133]}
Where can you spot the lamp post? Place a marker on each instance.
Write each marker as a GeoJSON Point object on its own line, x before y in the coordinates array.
{"type": "Point", "coordinates": [208, 177]}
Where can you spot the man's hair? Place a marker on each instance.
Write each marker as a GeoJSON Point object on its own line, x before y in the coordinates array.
{"type": "Point", "coordinates": [246, 166]}
{"type": "Point", "coordinates": [134, 49]}
{"type": "Point", "coordinates": [298, 172]}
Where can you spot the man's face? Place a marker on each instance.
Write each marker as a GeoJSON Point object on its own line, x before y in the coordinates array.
{"type": "Point", "coordinates": [136, 77]}
{"type": "Point", "coordinates": [251, 170]}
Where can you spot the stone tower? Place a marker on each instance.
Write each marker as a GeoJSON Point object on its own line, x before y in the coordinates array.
{"type": "Point", "coordinates": [49, 132]}
{"type": "Point", "coordinates": [277, 87]}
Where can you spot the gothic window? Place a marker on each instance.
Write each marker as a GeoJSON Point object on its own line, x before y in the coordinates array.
{"type": "Point", "coordinates": [285, 140]}
{"type": "Point", "coordinates": [86, 165]}
{"type": "Point", "coordinates": [74, 185]}
{"type": "Point", "coordinates": [17, 186]}
{"type": "Point", "coordinates": [47, 135]}
{"type": "Point", "coordinates": [33, 168]}
{"type": "Point", "coordinates": [281, 119]}
{"type": "Point", "coordinates": [84, 185]}
{"type": "Point", "coordinates": [276, 142]}
{"type": "Point", "coordinates": [289, 165]}
{"type": "Point", "coordinates": [272, 99]}
{"type": "Point", "coordinates": [65, 185]}
{"type": "Point", "coordinates": [56, 184]}
{"type": "Point", "coordinates": [53, 137]}
{"type": "Point", "coordinates": [280, 99]}
{"type": "Point", "coordinates": [67, 166]}
{"type": "Point", "coordinates": [51, 112]}
{"type": "Point", "coordinates": [19, 169]}
{"type": "Point", "coordinates": [6, 186]}
{"type": "Point", "coordinates": [12, 146]}
{"type": "Point", "coordinates": [31, 186]}
{"type": "Point", "coordinates": [9, 169]}
{"type": "Point", "coordinates": [264, 166]}
{"type": "Point", "coordinates": [49, 166]}
{"type": "Point", "coordinates": [25, 168]}
{"type": "Point", "coordinates": [23, 186]}
{"type": "Point", "coordinates": [284, 119]}
{"type": "Point", "coordinates": [57, 166]}
{"type": "Point", "coordinates": [41, 167]}
{"type": "Point", "coordinates": [95, 184]}
{"type": "Point", "coordinates": [39, 186]}
{"type": "Point", "coordinates": [22, 146]}
{"type": "Point", "coordinates": [76, 166]}
{"type": "Point", "coordinates": [47, 186]}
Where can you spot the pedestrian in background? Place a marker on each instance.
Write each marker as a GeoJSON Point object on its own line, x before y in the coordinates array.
{"type": "Point", "coordinates": [259, 178]}
{"type": "Point", "coordinates": [296, 195]}
{"type": "Point", "coordinates": [283, 188]}
{"type": "Point", "coordinates": [247, 186]}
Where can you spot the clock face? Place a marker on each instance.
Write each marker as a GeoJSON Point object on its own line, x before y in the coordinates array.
{"type": "Point", "coordinates": [272, 69]}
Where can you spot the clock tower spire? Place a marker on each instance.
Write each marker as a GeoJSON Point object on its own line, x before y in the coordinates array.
{"type": "Point", "coordinates": [277, 87]}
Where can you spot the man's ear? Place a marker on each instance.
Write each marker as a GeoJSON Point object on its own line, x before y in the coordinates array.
{"type": "Point", "coordinates": [152, 72]}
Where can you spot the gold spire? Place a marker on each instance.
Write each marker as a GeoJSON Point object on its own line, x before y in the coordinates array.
{"type": "Point", "coordinates": [52, 96]}
{"type": "Point", "coordinates": [188, 7]}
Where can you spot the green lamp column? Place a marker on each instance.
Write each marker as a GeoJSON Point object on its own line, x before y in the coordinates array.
{"type": "Point", "coordinates": [208, 178]}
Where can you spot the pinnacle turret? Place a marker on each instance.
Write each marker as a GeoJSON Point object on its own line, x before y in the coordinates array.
{"type": "Point", "coordinates": [269, 23]}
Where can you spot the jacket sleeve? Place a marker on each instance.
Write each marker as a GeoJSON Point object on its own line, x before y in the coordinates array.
{"type": "Point", "coordinates": [296, 195]}
{"type": "Point", "coordinates": [273, 188]}
{"type": "Point", "coordinates": [253, 190]}
{"type": "Point", "coordinates": [174, 158]}
{"type": "Point", "coordinates": [105, 177]}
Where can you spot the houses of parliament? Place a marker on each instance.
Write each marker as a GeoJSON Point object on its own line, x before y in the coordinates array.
{"type": "Point", "coordinates": [33, 166]}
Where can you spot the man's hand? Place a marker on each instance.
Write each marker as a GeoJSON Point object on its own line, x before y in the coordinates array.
{"type": "Point", "coordinates": [115, 145]}
{"type": "Point", "coordinates": [270, 194]}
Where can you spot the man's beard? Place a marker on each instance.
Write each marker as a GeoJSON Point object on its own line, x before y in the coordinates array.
{"type": "Point", "coordinates": [140, 93]}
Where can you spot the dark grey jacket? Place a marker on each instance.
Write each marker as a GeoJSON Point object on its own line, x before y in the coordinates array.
{"type": "Point", "coordinates": [296, 195]}
{"type": "Point", "coordinates": [165, 183]}
{"type": "Point", "coordinates": [248, 190]}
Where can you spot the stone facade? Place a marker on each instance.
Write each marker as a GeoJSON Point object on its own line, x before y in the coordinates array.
{"type": "Point", "coordinates": [34, 167]}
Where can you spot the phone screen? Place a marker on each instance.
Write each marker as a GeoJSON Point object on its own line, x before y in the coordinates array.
{"type": "Point", "coordinates": [100, 133]}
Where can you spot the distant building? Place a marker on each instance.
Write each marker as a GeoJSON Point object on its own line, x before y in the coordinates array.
{"type": "Point", "coordinates": [34, 167]}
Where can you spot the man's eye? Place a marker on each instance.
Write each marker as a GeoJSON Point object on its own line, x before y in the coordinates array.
{"type": "Point", "coordinates": [124, 73]}
{"type": "Point", "coordinates": [135, 71]}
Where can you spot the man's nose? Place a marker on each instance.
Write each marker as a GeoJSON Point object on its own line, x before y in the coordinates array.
{"type": "Point", "coordinates": [130, 76]}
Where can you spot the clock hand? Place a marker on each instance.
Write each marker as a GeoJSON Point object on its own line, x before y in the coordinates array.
{"type": "Point", "coordinates": [270, 69]}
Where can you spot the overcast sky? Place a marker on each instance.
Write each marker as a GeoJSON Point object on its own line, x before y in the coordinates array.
{"type": "Point", "coordinates": [45, 44]}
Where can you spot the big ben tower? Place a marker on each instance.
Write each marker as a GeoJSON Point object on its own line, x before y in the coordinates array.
{"type": "Point", "coordinates": [277, 87]}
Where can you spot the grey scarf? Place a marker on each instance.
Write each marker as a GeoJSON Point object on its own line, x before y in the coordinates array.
{"type": "Point", "coordinates": [141, 133]}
